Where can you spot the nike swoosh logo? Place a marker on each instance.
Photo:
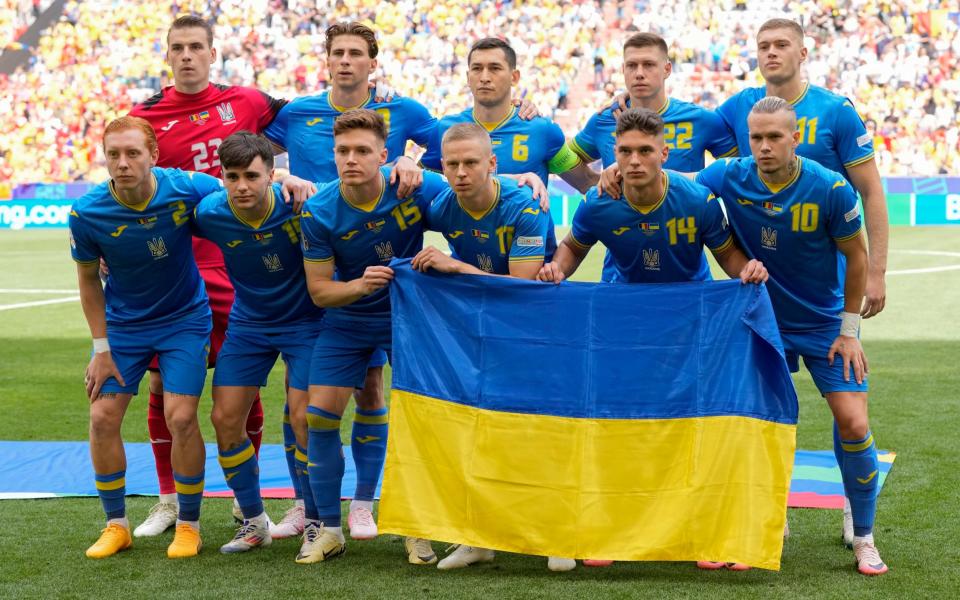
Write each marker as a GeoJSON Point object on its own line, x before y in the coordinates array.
{"type": "Point", "coordinates": [118, 231]}
{"type": "Point", "coordinates": [366, 438]}
{"type": "Point", "coordinates": [868, 479]}
{"type": "Point", "coordinates": [313, 122]}
{"type": "Point", "coordinates": [159, 441]}
{"type": "Point", "coordinates": [170, 125]}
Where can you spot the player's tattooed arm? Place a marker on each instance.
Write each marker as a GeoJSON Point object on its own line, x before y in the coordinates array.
{"type": "Point", "coordinates": [410, 176]}
{"type": "Point", "coordinates": [93, 303]}
{"type": "Point", "coordinates": [328, 293]}
{"type": "Point", "coordinates": [847, 345]}
{"type": "Point", "coordinates": [566, 261]}
{"type": "Point", "coordinates": [866, 178]}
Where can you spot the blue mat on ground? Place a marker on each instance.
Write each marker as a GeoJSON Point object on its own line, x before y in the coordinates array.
{"type": "Point", "coordinates": [61, 469]}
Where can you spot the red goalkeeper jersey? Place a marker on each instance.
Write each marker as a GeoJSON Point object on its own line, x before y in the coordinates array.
{"type": "Point", "coordinates": [190, 128]}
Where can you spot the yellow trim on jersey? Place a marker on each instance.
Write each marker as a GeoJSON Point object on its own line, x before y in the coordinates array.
{"type": "Point", "coordinates": [346, 108]}
{"type": "Point", "coordinates": [584, 156]}
{"type": "Point", "coordinates": [776, 188]}
{"type": "Point", "coordinates": [528, 258]}
{"type": "Point", "coordinates": [478, 216]}
{"type": "Point", "coordinates": [859, 161]}
{"type": "Point", "coordinates": [849, 237]}
{"type": "Point", "coordinates": [137, 207]}
{"type": "Point", "coordinates": [731, 152]}
{"type": "Point", "coordinates": [366, 206]}
{"type": "Point", "coordinates": [318, 260]}
{"type": "Point", "coordinates": [578, 242]}
{"type": "Point", "coordinates": [666, 105]}
{"type": "Point", "coordinates": [258, 223]}
{"type": "Point", "coordinates": [95, 261]}
{"type": "Point", "coordinates": [806, 88]}
{"type": "Point", "coordinates": [229, 462]}
{"type": "Point", "coordinates": [491, 127]}
{"type": "Point", "coordinates": [726, 245]}
{"type": "Point", "coordinates": [646, 210]}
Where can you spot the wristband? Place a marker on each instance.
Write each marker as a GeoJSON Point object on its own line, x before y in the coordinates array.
{"type": "Point", "coordinates": [849, 324]}
{"type": "Point", "coordinates": [100, 345]}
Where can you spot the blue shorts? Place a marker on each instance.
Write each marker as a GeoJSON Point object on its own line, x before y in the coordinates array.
{"type": "Point", "coordinates": [814, 346]}
{"type": "Point", "coordinates": [248, 355]}
{"type": "Point", "coordinates": [345, 349]}
{"type": "Point", "coordinates": [181, 346]}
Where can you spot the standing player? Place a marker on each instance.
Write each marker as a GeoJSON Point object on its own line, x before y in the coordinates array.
{"type": "Point", "coordinates": [689, 129]}
{"type": "Point", "coordinates": [354, 225]}
{"type": "Point", "coordinates": [272, 315]}
{"type": "Point", "coordinates": [154, 304]}
{"type": "Point", "coordinates": [657, 233]}
{"type": "Point", "coordinates": [191, 119]}
{"type": "Point", "coordinates": [831, 133]}
{"type": "Point", "coordinates": [521, 145]}
{"type": "Point", "coordinates": [799, 218]}
{"type": "Point", "coordinates": [493, 227]}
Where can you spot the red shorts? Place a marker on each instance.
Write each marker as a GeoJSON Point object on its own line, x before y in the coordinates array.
{"type": "Point", "coordinates": [220, 293]}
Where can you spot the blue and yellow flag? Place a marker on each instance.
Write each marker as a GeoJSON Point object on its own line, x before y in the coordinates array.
{"type": "Point", "coordinates": [627, 422]}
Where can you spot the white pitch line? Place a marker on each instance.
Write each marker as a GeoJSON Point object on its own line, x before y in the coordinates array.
{"type": "Point", "coordinates": [38, 303]}
{"type": "Point", "coordinates": [928, 252]}
{"type": "Point", "coordinates": [34, 291]}
{"type": "Point", "coordinates": [926, 270]}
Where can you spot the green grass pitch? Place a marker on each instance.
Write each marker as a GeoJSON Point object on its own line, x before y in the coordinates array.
{"type": "Point", "coordinates": [913, 349]}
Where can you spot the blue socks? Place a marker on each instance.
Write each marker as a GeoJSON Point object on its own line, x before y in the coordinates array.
{"type": "Point", "coordinates": [368, 442]}
{"type": "Point", "coordinates": [241, 470]}
{"type": "Point", "coordinates": [325, 464]}
{"type": "Point", "coordinates": [189, 495]}
{"type": "Point", "coordinates": [289, 449]}
{"type": "Point", "coordinates": [860, 469]}
{"type": "Point", "coordinates": [112, 489]}
{"type": "Point", "coordinates": [309, 506]}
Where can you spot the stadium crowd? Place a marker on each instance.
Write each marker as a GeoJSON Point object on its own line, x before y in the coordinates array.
{"type": "Point", "coordinates": [896, 59]}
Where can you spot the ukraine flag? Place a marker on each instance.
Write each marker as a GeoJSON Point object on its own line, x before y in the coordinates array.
{"type": "Point", "coordinates": [627, 422]}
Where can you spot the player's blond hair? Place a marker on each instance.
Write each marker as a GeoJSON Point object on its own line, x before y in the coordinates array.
{"type": "Point", "coordinates": [780, 23]}
{"type": "Point", "coordinates": [467, 131]}
{"type": "Point", "coordinates": [129, 122]}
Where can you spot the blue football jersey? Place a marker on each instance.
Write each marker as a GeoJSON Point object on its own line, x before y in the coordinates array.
{"type": "Point", "coordinates": [831, 131]}
{"type": "Point", "coordinates": [534, 146]}
{"type": "Point", "coordinates": [263, 261]}
{"type": "Point", "coordinates": [356, 237]}
{"type": "Point", "coordinates": [305, 128]}
{"type": "Point", "coordinates": [794, 231]}
{"type": "Point", "coordinates": [148, 248]}
{"type": "Point", "coordinates": [689, 130]}
{"type": "Point", "coordinates": [514, 229]}
{"type": "Point", "coordinates": [661, 245]}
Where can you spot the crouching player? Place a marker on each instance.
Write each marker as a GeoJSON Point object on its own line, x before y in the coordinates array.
{"type": "Point", "coordinates": [493, 227]}
{"type": "Point", "coordinates": [154, 304]}
{"type": "Point", "coordinates": [354, 225]}
{"type": "Point", "coordinates": [802, 220]}
{"type": "Point", "coordinates": [272, 315]}
{"type": "Point", "coordinates": [657, 232]}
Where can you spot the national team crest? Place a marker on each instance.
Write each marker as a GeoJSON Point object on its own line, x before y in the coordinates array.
{"type": "Point", "coordinates": [651, 259]}
{"type": "Point", "coordinates": [272, 263]}
{"type": "Point", "coordinates": [226, 113]}
{"type": "Point", "coordinates": [480, 235]}
{"type": "Point", "coordinates": [158, 248]}
{"type": "Point", "coordinates": [384, 251]}
{"type": "Point", "coordinates": [485, 263]}
{"type": "Point", "coordinates": [768, 238]}
{"type": "Point", "coordinates": [200, 118]}
{"type": "Point", "coordinates": [375, 226]}
{"type": "Point", "coordinates": [649, 229]}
